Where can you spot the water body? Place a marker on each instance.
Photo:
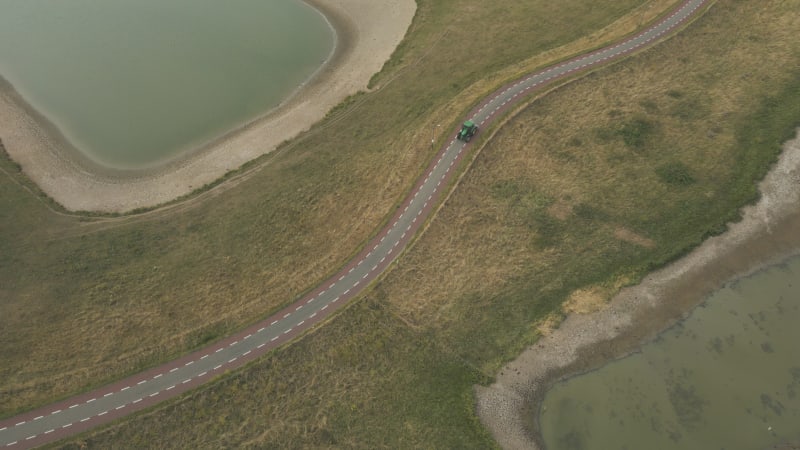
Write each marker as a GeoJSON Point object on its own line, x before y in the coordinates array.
{"type": "Point", "coordinates": [130, 82]}
{"type": "Point", "coordinates": [728, 377]}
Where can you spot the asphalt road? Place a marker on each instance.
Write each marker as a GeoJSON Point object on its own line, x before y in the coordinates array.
{"type": "Point", "coordinates": [132, 394]}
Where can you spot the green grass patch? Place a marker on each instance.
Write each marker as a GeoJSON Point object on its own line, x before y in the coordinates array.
{"type": "Point", "coordinates": [675, 173]}
{"type": "Point", "coordinates": [636, 132]}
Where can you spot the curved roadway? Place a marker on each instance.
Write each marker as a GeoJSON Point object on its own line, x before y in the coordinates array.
{"type": "Point", "coordinates": [145, 389]}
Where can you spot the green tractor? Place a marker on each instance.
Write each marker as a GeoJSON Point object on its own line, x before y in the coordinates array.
{"type": "Point", "coordinates": [467, 131]}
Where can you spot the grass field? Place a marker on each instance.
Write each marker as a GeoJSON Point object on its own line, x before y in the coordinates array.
{"type": "Point", "coordinates": [583, 191]}
{"type": "Point", "coordinates": [86, 300]}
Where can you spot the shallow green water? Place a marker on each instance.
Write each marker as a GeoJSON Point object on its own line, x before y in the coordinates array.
{"type": "Point", "coordinates": [132, 81]}
{"type": "Point", "coordinates": [728, 377]}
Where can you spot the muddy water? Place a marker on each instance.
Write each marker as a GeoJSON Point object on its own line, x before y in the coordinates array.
{"type": "Point", "coordinates": [132, 82]}
{"type": "Point", "coordinates": [728, 377]}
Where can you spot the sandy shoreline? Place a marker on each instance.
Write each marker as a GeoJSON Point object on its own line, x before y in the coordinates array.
{"type": "Point", "coordinates": [766, 235]}
{"type": "Point", "coordinates": [367, 31]}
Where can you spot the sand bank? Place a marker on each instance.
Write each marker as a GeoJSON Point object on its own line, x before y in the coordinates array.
{"type": "Point", "coordinates": [766, 235]}
{"type": "Point", "coordinates": [367, 31]}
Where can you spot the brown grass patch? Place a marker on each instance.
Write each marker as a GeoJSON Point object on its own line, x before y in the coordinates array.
{"type": "Point", "coordinates": [587, 300]}
{"type": "Point", "coordinates": [561, 209]}
{"type": "Point", "coordinates": [627, 235]}
{"type": "Point", "coordinates": [549, 324]}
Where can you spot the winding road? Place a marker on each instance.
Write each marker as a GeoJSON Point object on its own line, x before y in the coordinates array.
{"type": "Point", "coordinates": [86, 411]}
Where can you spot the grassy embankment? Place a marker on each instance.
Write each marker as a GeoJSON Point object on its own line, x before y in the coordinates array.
{"type": "Point", "coordinates": [87, 300]}
{"type": "Point", "coordinates": [587, 189]}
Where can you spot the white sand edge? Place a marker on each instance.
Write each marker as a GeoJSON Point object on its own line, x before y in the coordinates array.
{"type": "Point", "coordinates": [508, 408]}
{"type": "Point", "coordinates": [368, 32]}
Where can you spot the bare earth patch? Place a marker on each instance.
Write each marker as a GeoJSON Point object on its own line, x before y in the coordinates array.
{"type": "Point", "coordinates": [766, 235]}
{"type": "Point", "coordinates": [368, 32]}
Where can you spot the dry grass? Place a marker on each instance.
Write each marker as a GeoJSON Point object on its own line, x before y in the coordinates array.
{"type": "Point", "coordinates": [317, 395]}
{"type": "Point", "coordinates": [124, 294]}
{"type": "Point", "coordinates": [627, 235]}
{"type": "Point", "coordinates": [549, 324]}
{"type": "Point", "coordinates": [492, 271]}
{"type": "Point", "coordinates": [559, 189]}
{"type": "Point", "coordinates": [586, 300]}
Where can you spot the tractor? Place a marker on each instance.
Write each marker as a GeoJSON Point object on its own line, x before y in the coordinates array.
{"type": "Point", "coordinates": [467, 131]}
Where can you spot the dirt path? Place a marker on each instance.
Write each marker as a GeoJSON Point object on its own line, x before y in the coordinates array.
{"type": "Point", "coordinates": [767, 234]}
{"type": "Point", "coordinates": [368, 31]}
